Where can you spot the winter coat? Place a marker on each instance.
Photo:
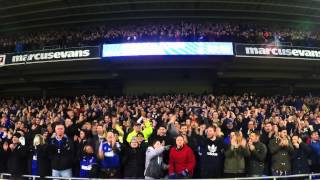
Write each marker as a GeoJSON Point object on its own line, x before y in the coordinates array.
{"type": "Point", "coordinates": [300, 158]}
{"type": "Point", "coordinates": [152, 153]}
{"type": "Point", "coordinates": [61, 153]}
{"type": "Point", "coordinates": [280, 155]}
{"type": "Point", "coordinates": [39, 155]}
{"type": "Point", "coordinates": [133, 162]}
{"type": "Point", "coordinates": [234, 161]}
{"type": "Point", "coordinates": [257, 159]}
{"type": "Point", "coordinates": [181, 159]}
{"type": "Point", "coordinates": [315, 157]}
{"type": "Point", "coordinates": [3, 159]}
{"type": "Point", "coordinates": [16, 160]}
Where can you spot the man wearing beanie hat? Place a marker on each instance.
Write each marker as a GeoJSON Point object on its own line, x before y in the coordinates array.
{"type": "Point", "coordinates": [280, 149]}
{"type": "Point", "coordinates": [134, 160]}
{"type": "Point", "coordinates": [16, 154]}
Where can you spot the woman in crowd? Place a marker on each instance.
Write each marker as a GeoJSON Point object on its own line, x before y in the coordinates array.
{"type": "Point", "coordinates": [38, 157]}
{"type": "Point", "coordinates": [155, 167]}
{"type": "Point", "coordinates": [80, 142]}
{"type": "Point", "coordinates": [235, 155]}
{"type": "Point", "coordinates": [181, 160]}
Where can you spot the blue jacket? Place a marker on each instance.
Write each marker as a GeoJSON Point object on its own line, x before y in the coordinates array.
{"type": "Point", "coordinates": [87, 166]}
{"type": "Point", "coordinates": [111, 156]}
{"type": "Point", "coordinates": [315, 146]}
{"type": "Point", "coordinates": [34, 164]}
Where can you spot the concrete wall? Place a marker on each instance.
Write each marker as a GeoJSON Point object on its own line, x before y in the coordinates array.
{"type": "Point", "coordinates": [138, 87]}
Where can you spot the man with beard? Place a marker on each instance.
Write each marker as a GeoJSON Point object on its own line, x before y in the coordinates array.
{"type": "Point", "coordinates": [161, 135]}
{"type": "Point", "coordinates": [281, 149]}
{"type": "Point", "coordinates": [267, 134]}
{"type": "Point", "coordinates": [257, 157]}
{"type": "Point", "coordinates": [211, 152]}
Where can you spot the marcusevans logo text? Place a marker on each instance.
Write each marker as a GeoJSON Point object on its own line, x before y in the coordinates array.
{"type": "Point", "coordinates": [282, 52]}
{"type": "Point", "coordinates": [2, 59]}
{"type": "Point", "coordinates": [51, 55]}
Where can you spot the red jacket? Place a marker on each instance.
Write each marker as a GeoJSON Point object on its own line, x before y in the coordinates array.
{"type": "Point", "coordinates": [180, 160]}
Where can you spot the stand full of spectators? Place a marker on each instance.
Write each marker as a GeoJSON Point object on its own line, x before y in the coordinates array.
{"type": "Point", "coordinates": [160, 32]}
{"type": "Point", "coordinates": [153, 137]}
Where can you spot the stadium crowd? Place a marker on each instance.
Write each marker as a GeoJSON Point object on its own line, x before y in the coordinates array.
{"type": "Point", "coordinates": [95, 35]}
{"type": "Point", "coordinates": [173, 136]}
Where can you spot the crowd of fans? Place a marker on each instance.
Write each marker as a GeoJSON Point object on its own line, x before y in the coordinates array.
{"type": "Point", "coordinates": [173, 136]}
{"type": "Point", "coordinates": [243, 33]}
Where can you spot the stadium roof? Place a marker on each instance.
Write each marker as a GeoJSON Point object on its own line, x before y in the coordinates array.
{"type": "Point", "coordinates": [34, 14]}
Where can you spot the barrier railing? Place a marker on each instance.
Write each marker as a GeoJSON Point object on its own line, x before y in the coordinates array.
{"type": "Point", "coordinates": [6, 176]}
{"type": "Point", "coordinates": [291, 177]}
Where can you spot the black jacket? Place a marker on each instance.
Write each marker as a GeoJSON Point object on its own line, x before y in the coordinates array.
{"type": "Point", "coordinates": [134, 162]}
{"type": "Point", "coordinates": [162, 139]}
{"type": "Point", "coordinates": [3, 159]}
{"type": "Point", "coordinates": [257, 159]}
{"type": "Point", "coordinates": [299, 159]}
{"type": "Point", "coordinates": [62, 156]}
{"type": "Point", "coordinates": [95, 141]}
{"type": "Point", "coordinates": [280, 155]}
{"type": "Point", "coordinates": [265, 139]}
{"type": "Point", "coordinates": [44, 168]}
{"type": "Point", "coordinates": [211, 157]}
{"type": "Point", "coordinates": [16, 160]}
{"type": "Point", "coordinates": [79, 147]}
{"type": "Point", "coordinates": [72, 130]}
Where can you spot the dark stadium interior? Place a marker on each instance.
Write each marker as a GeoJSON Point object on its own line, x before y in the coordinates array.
{"type": "Point", "coordinates": [160, 89]}
{"type": "Point", "coordinates": [125, 76]}
{"type": "Point", "coordinates": [34, 14]}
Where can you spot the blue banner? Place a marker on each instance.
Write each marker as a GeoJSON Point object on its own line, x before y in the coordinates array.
{"type": "Point", "coordinates": [167, 48]}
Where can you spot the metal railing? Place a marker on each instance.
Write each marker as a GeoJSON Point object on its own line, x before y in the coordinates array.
{"type": "Point", "coordinates": [6, 176]}
{"type": "Point", "coordinates": [291, 177]}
